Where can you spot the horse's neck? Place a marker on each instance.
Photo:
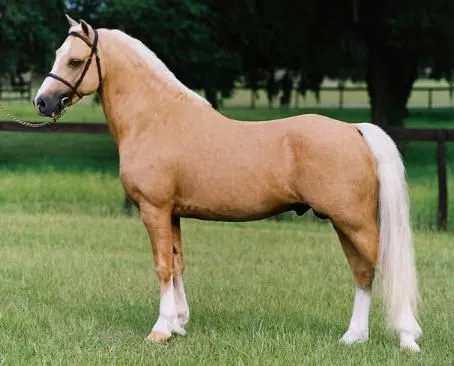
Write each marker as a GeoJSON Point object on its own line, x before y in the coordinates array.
{"type": "Point", "coordinates": [133, 97]}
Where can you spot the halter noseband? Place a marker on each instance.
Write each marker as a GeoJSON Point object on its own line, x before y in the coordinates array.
{"type": "Point", "coordinates": [94, 51]}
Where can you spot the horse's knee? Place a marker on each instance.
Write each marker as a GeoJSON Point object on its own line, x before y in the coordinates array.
{"type": "Point", "coordinates": [364, 277]}
{"type": "Point", "coordinates": [178, 264]}
{"type": "Point", "coordinates": [164, 272]}
{"type": "Point", "coordinates": [363, 270]}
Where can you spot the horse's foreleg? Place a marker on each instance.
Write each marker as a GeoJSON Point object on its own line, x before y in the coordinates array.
{"type": "Point", "coordinates": [178, 263]}
{"type": "Point", "coordinates": [363, 267]}
{"type": "Point", "coordinates": [159, 227]}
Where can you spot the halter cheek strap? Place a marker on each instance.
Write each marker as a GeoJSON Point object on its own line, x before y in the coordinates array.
{"type": "Point", "coordinates": [94, 52]}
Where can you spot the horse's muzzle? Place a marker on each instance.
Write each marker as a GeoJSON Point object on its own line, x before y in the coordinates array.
{"type": "Point", "coordinates": [49, 105]}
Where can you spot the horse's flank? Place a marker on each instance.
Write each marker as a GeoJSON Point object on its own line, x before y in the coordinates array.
{"type": "Point", "coordinates": [175, 149]}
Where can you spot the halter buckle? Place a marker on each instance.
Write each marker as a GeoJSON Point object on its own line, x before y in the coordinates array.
{"type": "Point", "coordinates": [65, 102]}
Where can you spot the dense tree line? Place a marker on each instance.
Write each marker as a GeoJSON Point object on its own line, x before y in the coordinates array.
{"type": "Point", "coordinates": [29, 34]}
{"type": "Point", "coordinates": [212, 44]}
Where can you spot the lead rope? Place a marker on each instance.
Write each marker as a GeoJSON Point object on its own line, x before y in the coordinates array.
{"type": "Point", "coordinates": [30, 124]}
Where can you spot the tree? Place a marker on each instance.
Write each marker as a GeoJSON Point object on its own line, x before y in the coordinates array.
{"type": "Point", "coordinates": [212, 44]}
{"type": "Point", "coordinates": [402, 37]}
{"type": "Point", "coordinates": [182, 33]}
{"type": "Point", "coordinates": [29, 34]}
{"type": "Point", "coordinates": [88, 10]}
{"type": "Point", "coordinates": [385, 43]}
{"type": "Point", "coordinates": [289, 35]}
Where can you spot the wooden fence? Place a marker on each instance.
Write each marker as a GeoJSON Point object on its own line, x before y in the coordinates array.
{"type": "Point", "coordinates": [16, 93]}
{"type": "Point", "coordinates": [345, 89]}
{"type": "Point", "coordinates": [441, 136]}
{"type": "Point", "coordinates": [342, 94]}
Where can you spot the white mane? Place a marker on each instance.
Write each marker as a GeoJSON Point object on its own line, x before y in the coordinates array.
{"type": "Point", "coordinates": [156, 64]}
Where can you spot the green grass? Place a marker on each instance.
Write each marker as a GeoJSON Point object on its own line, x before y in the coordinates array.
{"type": "Point", "coordinates": [85, 111]}
{"type": "Point", "coordinates": [80, 289]}
{"type": "Point", "coordinates": [78, 286]}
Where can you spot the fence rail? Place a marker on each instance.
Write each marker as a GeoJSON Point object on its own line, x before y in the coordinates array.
{"type": "Point", "coordinates": [429, 90]}
{"type": "Point", "coordinates": [441, 136]}
{"type": "Point", "coordinates": [342, 95]}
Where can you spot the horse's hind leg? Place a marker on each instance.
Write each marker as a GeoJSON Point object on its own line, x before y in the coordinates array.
{"type": "Point", "coordinates": [360, 248]}
{"type": "Point", "coordinates": [158, 222]}
{"type": "Point", "coordinates": [178, 264]}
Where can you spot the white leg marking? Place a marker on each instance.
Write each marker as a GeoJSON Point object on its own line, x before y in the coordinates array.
{"type": "Point", "coordinates": [409, 330]}
{"type": "Point", "coordinates": [181, 302]}
{"type": "Point", "coordinates": [167, 322]}
{"type": "Point", "coordinates": [358, 330]}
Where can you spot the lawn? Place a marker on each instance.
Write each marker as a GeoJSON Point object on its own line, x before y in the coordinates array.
{"type": "Point", "coordinates": [80, 289]}
{"type": "Point", "coordinates": [78, 285]}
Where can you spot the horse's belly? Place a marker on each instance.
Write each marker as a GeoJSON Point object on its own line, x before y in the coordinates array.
{"type": "Point", "coordinates": [240, 210]}
{"type": "Point", "coordinates": [223, 215]}
{"type": "Point", "coordinates": [236, 189]}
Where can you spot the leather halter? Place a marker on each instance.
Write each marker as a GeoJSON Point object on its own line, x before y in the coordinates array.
{"type": "Point", "coordinates": [94, 52]}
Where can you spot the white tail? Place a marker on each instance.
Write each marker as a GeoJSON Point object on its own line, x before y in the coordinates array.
{"type": "Point", "coordinates": [396, 261]}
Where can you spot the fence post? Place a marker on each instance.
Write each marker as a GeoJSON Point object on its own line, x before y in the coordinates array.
{"type": "Point", "coordinates": [341, 96]}
{"type": "Point", "coordinates": [450, 93]}
{"type": "Point", "coordinates": [429, 90]}
{"type": "Point", "coordinates": [253, 99]}
{"type": "Point", "coordinates": [442, 186]}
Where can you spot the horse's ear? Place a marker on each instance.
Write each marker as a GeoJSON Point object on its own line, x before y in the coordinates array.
{"type": "Point", "coordinates": [71, 21]}
{"type": "Point", "coordinates": [87, 29]}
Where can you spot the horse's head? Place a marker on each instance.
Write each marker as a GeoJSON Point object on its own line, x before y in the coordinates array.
{"type": "Point", "coordinates": [76, 71]}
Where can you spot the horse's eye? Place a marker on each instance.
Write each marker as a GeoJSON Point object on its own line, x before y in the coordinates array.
{"type": "Point", "coordinates": [74, 62]}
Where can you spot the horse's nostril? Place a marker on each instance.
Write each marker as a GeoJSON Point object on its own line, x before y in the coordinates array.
{"type": "Point", "coordinates": [41, 103]}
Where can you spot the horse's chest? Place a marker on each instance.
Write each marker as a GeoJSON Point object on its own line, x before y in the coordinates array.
{"type": "Point", "coordinates": [145, 179]}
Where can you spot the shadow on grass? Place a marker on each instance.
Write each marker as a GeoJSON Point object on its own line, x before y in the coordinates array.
{"type": "Point", "coordinates": [61, 152]}
{"type": "Point", "coordinates": [432, 115]}
{"type": "Point", "coordinates": [61, 164]}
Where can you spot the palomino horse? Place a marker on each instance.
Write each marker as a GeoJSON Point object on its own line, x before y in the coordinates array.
{"type": "Point", "coordinates": [180, 158]}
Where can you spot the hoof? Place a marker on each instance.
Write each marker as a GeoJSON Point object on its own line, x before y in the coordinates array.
{"type": "Point", "coordinates": [408, 343]}
{"type": "Point", "coordinates": [157, 337]}
{"type": "Point", "coordinates": [180, 331]}
{"type": "Point", "coordinates": [352, 337]}
{"type": "Point", "coordinates": [183, 319]}
{"type": "Point", "coordinates": [411, 347]}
